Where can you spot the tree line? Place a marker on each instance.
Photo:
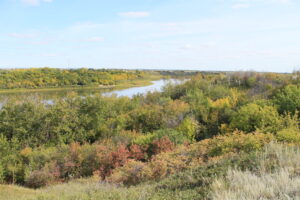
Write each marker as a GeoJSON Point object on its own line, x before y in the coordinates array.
{"type": "Point", "coordinates": [49, 77]}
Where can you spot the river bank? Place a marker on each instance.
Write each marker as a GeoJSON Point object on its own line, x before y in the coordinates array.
{"type": "Point", "coordinates": [121, 85]}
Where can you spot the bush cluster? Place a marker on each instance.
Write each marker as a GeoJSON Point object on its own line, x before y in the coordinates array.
{"type": "Point", "coordinates": [148, 137]}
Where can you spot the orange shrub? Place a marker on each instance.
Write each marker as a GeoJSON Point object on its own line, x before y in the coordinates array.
{"type": "Point", "coordinates": [110, 160]}
{"type": "Point", "coordinates": [162, 145]}
{"type": "Point", "coordinates": [168, 163]}
{"type": "Point", "coordinates": [132, 173]}
{"type": "Point", "coordinates": [137, 152]}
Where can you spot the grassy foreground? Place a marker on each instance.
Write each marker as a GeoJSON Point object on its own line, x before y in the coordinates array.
{"type": "Point", "coordinates": [270, 174]}
{"type": "Point", "coordinates": [80, 189]}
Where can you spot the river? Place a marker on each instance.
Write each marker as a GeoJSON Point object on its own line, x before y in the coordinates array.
{"type": "Point", "coordinates": [49, 96]}
{"type": "Point", "coordinates": [156, 86]}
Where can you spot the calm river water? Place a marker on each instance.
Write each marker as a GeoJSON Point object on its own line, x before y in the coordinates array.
{"type": "Point", "coordinates": [49, 96]}
{"type": "Point", "coordinates": [156, 86]}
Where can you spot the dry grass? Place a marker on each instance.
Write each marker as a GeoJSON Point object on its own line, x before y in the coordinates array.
{"type": "Point", "coordinates": [278, 177]}
{"type": "Point", "coordinates": [86, 189]}
{"type": "Point", "coordinates": [248, 186]}
{"type": "Point", "coordinates": [8, 192]}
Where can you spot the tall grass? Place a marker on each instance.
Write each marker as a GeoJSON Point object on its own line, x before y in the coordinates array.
{"type": "Point", "coordinates": [277, 177]}
{"type": "Point", "coordinates": [77, 190]}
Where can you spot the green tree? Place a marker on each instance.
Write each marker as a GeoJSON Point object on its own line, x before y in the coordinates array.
{"type": "Point", "coordinates": [288, 99]}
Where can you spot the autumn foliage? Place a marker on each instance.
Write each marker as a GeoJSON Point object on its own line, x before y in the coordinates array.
{"type": "Point", "coordinates": [147, 137]}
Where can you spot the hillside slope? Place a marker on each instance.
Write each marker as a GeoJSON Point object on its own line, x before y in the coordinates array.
{"type": "Point", "coordinates": [269, 174]}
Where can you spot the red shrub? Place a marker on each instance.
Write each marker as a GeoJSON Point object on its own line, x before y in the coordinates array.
{"type": "Point", "coordinates": [162, 145]}
{"type": "Point", "coordinates": [120, 156]}
{"type": "Point", "coordinates": [112, 160]}
{"type": "Point", "coordinates": [137, 152]}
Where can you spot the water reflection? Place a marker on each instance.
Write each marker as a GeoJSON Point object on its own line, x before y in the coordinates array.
{"type": "Point", "coordinates": [156, 86]}
{"type": "Point", "coordinates": [50, 96]}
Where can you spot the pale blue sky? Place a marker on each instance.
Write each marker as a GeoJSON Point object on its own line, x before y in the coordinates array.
{"type": "Point", "coordinates": [261, 35]}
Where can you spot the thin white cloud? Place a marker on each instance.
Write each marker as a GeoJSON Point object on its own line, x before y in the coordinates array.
{"type": "Point", "coordinates": [285, 1]}
{"type": "Point", "coordinates": [240, 5]}
{"type": "Point", "coordinates": [245, 2]}
{"type": "Point", "coordinates": [35, 2]}
{"type": "Point", "coordinates": [31, 2]}
{"type": "Point", "coordinates": [84, 26]}
{"type": "Point", "coordinates": [187, 46]}
{"type": "Point", "coordinates": [42, 54]}
{"type": "Point", "coordinates": [173, 26]}
{"type": "Point", "coordinates": [137, 14]}
{"type": "Point", "coordinates": [22, 36]}
{"type": "Point", "coordinates": [279, 1]}
{"type": "Point", "coordinates": [95, 39]}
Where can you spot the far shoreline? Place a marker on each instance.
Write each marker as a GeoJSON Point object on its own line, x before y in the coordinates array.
{"type": "Point", "coordinates": [122, 85]}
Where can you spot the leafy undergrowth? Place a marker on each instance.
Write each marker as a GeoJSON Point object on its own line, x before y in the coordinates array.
{"type": "Point", "coordinates": [190, 184]}
{"type": "Point", "coordinates": [269, 174]}
{"type": "Point", "coordinates": [189, 157]}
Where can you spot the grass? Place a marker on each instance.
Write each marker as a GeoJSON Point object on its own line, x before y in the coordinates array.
{"type": "Point", "coordinates": [248, 186]}
{"type": "Point", "coordinates": [91, 190]}
{"type": "Point", "coordinates": [8, 192]}
{"type": "Point", "coordinates": [277, 177]}
{"type": "Point", "coordinates": [86, 189]}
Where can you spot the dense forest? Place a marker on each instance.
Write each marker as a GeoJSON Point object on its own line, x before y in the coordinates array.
{"type": "Point", "coordinates": [198, 140]}
{"type": "Point", "coordinates": [49, 77]}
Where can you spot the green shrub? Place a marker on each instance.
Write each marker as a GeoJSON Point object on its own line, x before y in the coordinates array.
{"type": "Point", "coordinates": [237, 142]}
{"type": "Point", "coordinates": [253, 116]}
{"type": "Point", "coordinates": [144, 139]}
{"type": "Point", "coordinates": [288, 135]}
{"type": "Point", "coordinates": [2, 173]}
{"type": "Point", "coordinates": [189, 127]}
{"type": "Point", "coordinates": [175, 136]}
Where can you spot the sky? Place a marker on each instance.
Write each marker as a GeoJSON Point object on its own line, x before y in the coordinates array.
{"type": "Point", "coordinates": [260, 35]}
